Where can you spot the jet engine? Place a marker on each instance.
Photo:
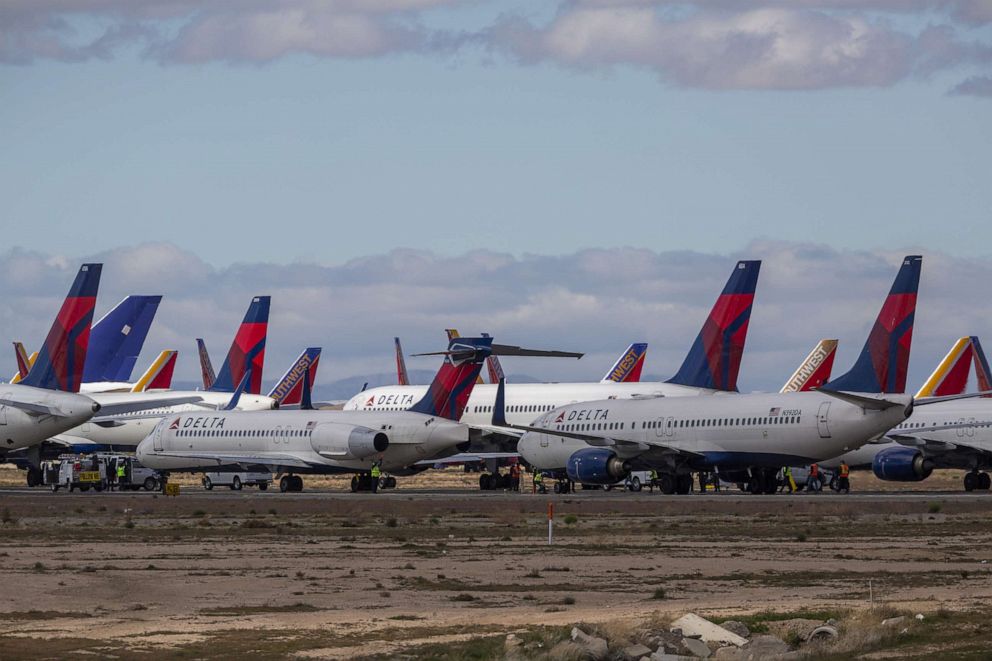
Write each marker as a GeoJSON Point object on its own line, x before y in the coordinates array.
{"type": "Point", "coordinates": [901, 465]}
{"type": "Point", "coordinates": [347, 441]}
{"type": "Point", "coordinates": [596, 466]}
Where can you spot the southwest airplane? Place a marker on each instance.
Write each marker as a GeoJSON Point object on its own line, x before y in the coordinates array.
{"type": "Point", "coordinates": [323, 441]}
{"type": "Point", "coordinates": [712, 365]}
{"type": "Point", "coordinates": [748, 438]}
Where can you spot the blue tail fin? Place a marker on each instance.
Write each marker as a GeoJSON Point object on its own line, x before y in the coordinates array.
{"type": "Point", "coordinates": [884, 360]}
{"type": "Point", "coordinates": [714, 360]}
{"type": "Point", "coordinates": [116, 340]}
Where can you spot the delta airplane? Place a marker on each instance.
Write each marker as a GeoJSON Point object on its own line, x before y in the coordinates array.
{"type": "Point", "coordinates": [748, 438]}
{"type": "Point", "coordinates": [116, 341]}
{"type": "Point", "coordinates": [46, 402]}
{"type": "Point", "coordinates": [324, 441]}
{"type": "Point", "coordinates": [950, 434]}
{"type": "Point", "coordinates": [712, 365]}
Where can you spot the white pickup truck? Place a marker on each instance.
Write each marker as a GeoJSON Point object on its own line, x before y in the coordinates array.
{"type": "Point", "coordinates": [237, 480]}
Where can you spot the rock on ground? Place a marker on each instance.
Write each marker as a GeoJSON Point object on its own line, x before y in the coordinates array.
{"type": "Point", "coordinates": [697, 648]}
{"type": "Point", "coordinates": [594, 647]}
{"type": "Point", "coordinates": [739, 628]}
{"type": "Point", "coordinates": [697, 627]}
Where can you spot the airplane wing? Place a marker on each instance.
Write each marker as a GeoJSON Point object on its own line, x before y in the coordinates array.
{"type": "Point", "coordinates": [110, 411]}
{"type": "Point", "coordinates": [274, 459]}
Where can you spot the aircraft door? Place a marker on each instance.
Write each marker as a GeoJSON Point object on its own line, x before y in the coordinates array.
{"type": "Point", "coordinates": [821, 420]}
{"type": "Point", "coordinates": [157, 437]}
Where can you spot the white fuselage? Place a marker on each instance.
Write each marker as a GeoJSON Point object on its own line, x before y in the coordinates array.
{"type": "Point", "coordinates": [130, 428]}
{"type": "Point", "coordinates": [736, 431]}
{"type": "Point", "coordinates": [300, 441]}
{"type": "Point", "coordinates": [954, 412]}
{"type": "Point", "coordinates": [524, 401]}
{"type": "Point", "coordinates": [21, 429]}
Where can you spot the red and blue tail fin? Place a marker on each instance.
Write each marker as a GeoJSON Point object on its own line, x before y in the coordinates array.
{"type": "Point", "coordinates": [449, 392]}
{"type": "Point", "coordinates": [117, 339]}
{"type": "Point", "coordinates": [60, 361]}
{"type": "Point", "coordinates": [884, 360]}
{"type": "Point", "coordinates": [289, 389]}
{"type": "Point", "coordinates": [951, 375]}
{"type": "Point", "coordinates": [206, 367]}
{"type": "Point", "coordinates": [247, 349]}
{"type": "Point", "coordinates": [628, 367]}
{"type": "Point", "coordinates": [158, 376]}
{"type": "Point", "coordinates": [981, 367]}
{"type": "Point", "coordinates": [494, 367]}
{"type": "Point", "coordinates": [714, 360]}
{"type": "Point", "coordinates": [402, 378]}
{"type": "Point", "coordinates": [452, 334]}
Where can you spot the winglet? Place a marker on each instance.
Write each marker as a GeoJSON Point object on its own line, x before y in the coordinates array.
{"type": "Point", "coordinates": [714, 360]}
{"type": "Point", "coordinates": [499, 407]}
{"type": "Point", "coordinates": [884, 360]}
{"type": "Point", "coordinates": [815, 370]}
{"type": "Point", "coordinates": [236, 397]}
{"type": "Point", "coordinates": [951, 375]}
{"type": "Point", "coordinates": [628, 367]}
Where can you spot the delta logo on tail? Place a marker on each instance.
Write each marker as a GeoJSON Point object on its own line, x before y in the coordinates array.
{"type": "Point", "coordinates": [884, 361]}
{"type": "Point", "coordinates": [714, 361]}
{"type": "Point", "coordinates": [60, 361]}
{"type": "Point", "coordinates": [815, 370]}
{"type": "Point", "coordinates": [248, 349]}
{"type": "Point", "coordinates": [628, 367]}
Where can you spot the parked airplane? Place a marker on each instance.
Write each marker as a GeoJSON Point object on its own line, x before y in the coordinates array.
{"type": "Point", "coordinates": [402, 377]}
{"type": "Point", "coordinates": [206, 367]}
{"type": "Point", "coordinates": [323, 441]}
{"type": "Point", "coordinates": [45, 402]}
{"type": "Point", "coordinates": [712, 364]}
{"type": "Point", "coordinates": [288, 391]}
{"type": "Point", "coordinates": [950, 434]}
{"type": "Point", "coordinates": [747, 437]}
{"type": "Point", "coordinates": [815, 370]}
{"type": "Point", "coordinates": [628, 367]}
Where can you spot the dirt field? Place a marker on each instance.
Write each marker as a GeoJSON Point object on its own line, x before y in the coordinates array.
{"type": "Point", "coordinates": [449, 575]}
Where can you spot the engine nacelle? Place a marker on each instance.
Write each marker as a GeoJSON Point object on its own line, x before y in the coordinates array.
{"type": "Point", "coordinates": [901, 465]}
{"type": "Point", "coordinates": [348, 441]}
{"type": "Point", "coordinates": [596, 466]}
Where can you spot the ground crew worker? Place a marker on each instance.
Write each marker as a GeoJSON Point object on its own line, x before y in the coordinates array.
{"type": "Point", "coordinates": [787, 481]}
{"type": "Point", "coordinates": [515, 477]}
{"type": "Point", "coordinates": [539, 481]}
{"type": "Point", "coordinates": [120, 474]}
{"type": "Point", "coordinates": [843, 477]}
{"type": "Point", "coordinates": [814, 478]}
{"type": "Point", "coordinates": [654, 478]}
{"type": "Point", "coordinates": [376, 474]}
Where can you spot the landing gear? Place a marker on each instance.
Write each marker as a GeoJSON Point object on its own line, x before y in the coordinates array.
{"type": "Point", "coordinates": [683, 484]}
{"type": "Point", "coordinates": [363, 482]}
{"type": "Point", "coordinates": [494, 481]}
{"type": "Point", "coordinates": [667, 483]}
{"type": "Point", "coordinates": [763, 480]}
{"type": "Point", "coordinates": [291, 483]}
{"type": "Point", "coordinates": [984, 481]}
{"type": "Point", "coordinates": [563, 486]}
{"type": "Point", "coordinates": [971, 481]}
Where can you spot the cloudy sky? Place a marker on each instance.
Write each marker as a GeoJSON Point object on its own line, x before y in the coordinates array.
{"type": "Point", "coordinates": [580, 173]}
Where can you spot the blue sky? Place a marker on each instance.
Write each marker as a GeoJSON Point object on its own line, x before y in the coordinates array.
{"type": "Point", "coordinates": [224, 135]}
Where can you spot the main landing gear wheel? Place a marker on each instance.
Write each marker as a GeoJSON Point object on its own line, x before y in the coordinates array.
{"type": "Point", "coordinates": [667, 483]}
{"type": "Point", "coordinates": [971, 481]}
{"type": "Point", "coordinates": [34, 477]}
{"type": "Point", "coordinates": [683, 484]}
{"type": "Point", "coordinates": [390, 482]}
{"type": "Point", "coordinates": [984, 481]}
{"type": "Point", "coordinates": [295, 483]}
